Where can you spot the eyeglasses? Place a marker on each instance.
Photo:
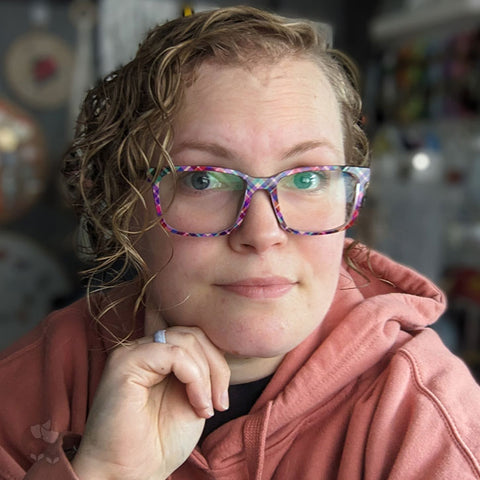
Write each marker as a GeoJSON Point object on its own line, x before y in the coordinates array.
{"type": "Point", "coordinates": [204, 201]}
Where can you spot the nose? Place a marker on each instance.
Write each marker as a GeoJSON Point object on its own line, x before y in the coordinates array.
{"type": "Point", "coordinates": [260, 229]}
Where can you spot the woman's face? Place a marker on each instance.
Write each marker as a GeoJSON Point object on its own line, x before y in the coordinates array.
{"type": "Point", "coordinates": [260, 291]}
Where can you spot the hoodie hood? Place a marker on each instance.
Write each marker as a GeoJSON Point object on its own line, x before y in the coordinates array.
{"type": "Point", "coordinates": [377, 308]}
{"type": "Point", "coordinates": [379, 305]}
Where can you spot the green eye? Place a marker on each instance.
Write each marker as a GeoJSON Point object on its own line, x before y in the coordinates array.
{"type": "Point", "coordinates": [308, 180]}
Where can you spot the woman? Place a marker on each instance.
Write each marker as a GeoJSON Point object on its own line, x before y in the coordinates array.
{"type": "Point", "coordinates": [222, 166]}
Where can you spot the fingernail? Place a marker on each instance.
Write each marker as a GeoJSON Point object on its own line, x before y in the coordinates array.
{"type": "Point", "coordinates": [209, 411]}
{"type": "Point", "coordinates": [224, 400]}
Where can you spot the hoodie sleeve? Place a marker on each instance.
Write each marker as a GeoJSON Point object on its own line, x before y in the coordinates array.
{"type": "Point", "coordinates": [53, 463]}
{"type": "Point", "coordinates": [421, 420]}
{"type": "Point", "coordinates": [44, 396]}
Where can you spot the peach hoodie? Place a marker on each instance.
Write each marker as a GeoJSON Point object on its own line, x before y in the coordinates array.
{"type": "Point", "coordinates": [371, 394]}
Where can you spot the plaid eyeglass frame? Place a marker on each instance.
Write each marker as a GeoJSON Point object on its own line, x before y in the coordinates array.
{"type": "Point", "coordinates": [269, 184]}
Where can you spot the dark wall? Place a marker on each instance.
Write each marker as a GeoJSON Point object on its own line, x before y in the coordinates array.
{"type": "Point", "coordinates": [49, 223]}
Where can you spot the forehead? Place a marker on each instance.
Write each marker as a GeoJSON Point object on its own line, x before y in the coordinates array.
{"type": "Point", "coordinates": [259, 107]}
{"type": "Point", "coordinates": [307, 70]}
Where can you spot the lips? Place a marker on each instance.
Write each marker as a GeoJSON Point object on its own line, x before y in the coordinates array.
{"type": "Point", "coordinates": [260, 288]}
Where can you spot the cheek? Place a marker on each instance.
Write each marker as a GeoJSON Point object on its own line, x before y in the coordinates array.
{"type": "Point", "coordinates": [178, 264]}
{"type": "Point", "coordinates": [323, 255]}
{"type": "Point", "coordinates": [156, 249]}
{"type": "Point", "coordinates": [322, 260]}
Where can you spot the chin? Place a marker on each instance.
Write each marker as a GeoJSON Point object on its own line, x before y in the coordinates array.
{"type": "Point", "coordinates": [262, 346]}
{"type": "Point", "coordinates": [257, 352]}
{"type": "Point", "coordinates": [262, 336]}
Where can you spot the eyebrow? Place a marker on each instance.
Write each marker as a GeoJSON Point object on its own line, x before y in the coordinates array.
{"type": "Point", "coordinates": [218, 150]}
{"type": "Point", "coordinates": [212, 148]}
{"type": "Point", "coordinates": [309, 145]}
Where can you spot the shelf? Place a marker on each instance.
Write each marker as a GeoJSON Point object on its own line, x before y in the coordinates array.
{"type": "Point", "coordinates": [442, 17]}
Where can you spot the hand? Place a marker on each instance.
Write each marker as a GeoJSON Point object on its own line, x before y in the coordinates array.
{"type": "Point", "coordinates": [151, 405]}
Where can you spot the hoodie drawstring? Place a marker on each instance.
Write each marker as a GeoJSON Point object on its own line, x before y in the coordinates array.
{"type": "Point", "coordinates": [254, 438]}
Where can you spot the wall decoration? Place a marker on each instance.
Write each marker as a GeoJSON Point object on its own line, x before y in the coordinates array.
{"type": "Point", "coordinates": [31, 280]}
{"type": "Point", "coordinates": [23, 169]}
{"type": "Point", "coordinates": [38, 68]}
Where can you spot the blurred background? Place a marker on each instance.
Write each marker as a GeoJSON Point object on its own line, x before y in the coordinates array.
{"type": "Point", "coordinates": [420, 67]}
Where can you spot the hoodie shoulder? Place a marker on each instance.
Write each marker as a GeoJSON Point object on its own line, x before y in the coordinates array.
{"type": "Point", "coordinates": [439, 402]}
{"type": "Point", "coordinates": [60, 326]}
{"type": "Point", "coordinates": [445, 381]}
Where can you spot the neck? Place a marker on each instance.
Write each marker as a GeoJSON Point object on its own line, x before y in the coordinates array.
{"type": "Point", "coordinates": [249, 369]}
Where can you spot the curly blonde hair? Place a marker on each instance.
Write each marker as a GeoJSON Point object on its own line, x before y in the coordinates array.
{"type": "Point", "coordinates": [125, 123]}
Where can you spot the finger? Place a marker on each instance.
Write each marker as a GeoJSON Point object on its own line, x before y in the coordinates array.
{"type": "Point", "coordinates": [194, 340]}
{"type": "Point", "coordinates": [219, 369]}
{"type": "Point", "coordinates": [187, 340]}
{"type": "Point", "coordinates": [147, 364]}
{"type": "Point", "coordinates": [211, 361]}
{"type": "Point", "coordinates": [195, 378]}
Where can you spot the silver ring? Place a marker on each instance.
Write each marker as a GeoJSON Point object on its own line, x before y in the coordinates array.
{"type": "Point", "coordinates": [160, 336]}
